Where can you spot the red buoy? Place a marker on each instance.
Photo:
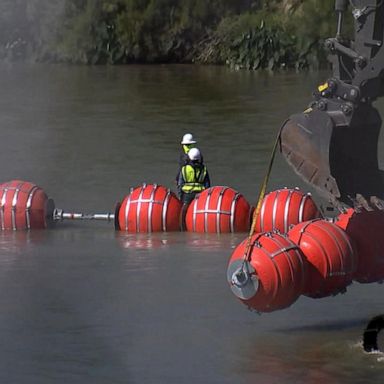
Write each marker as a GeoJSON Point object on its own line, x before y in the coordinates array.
{"type": "Point", "coordinates": [23, 205]}
{"type": "Point", "coordinates": [149, 208]}
{"type": "Point", "coordinates": [218, 210]}
{"type": "Point", "coordinates": [273, 276]}
{"type": "Point", "coordinates": [366, 229]}
{"type": "Point", "coordinates": [285, 207]}
{"type": "Point", "coordinates": [331, 257]}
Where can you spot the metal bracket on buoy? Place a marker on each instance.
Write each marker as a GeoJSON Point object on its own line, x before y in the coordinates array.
{"type": "Point", "coordinates": [242, 279]}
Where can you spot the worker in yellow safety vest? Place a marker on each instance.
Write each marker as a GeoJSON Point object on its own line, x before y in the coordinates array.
{"type": "Point", "coordinates": [193, 178]}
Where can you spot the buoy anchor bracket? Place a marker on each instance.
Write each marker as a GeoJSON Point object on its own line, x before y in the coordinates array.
{"type": "Point", "coordinates": [57, 214]}
{"type": "Point", "coordinates": [242, 279]}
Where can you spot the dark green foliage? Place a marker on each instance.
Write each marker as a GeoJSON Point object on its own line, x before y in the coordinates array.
{"type": "Point", "coordinates": [122, 31]}
{"type": "Point", "coordinates": [242, 33]}
{"type": "Point", "coordinates": [263, 47]}
{"type": "Point", "coordinates": [280, 35]}
{"type": "Point", "coordinates": [248, 41]}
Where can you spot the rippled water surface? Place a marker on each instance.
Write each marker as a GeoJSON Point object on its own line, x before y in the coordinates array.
{"type": "Point", "coordinates": [81, 303]}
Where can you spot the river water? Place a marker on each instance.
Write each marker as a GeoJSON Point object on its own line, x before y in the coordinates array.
{"type": "Point", "coordinates": [81, 303]}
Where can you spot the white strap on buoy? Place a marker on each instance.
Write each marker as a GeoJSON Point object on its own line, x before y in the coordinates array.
{"type": "Point", "coordinates": [28, 206]}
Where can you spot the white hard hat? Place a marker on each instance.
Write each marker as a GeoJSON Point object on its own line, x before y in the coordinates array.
{"type": "Point", "coordinates": [188, 139]}
{"type": "Point", "coordinates": [194, 154]}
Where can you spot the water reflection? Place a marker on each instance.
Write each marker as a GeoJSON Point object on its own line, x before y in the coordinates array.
{"type": "Point", "coordinates": [204, 242]}
{"type": "Point", "coordinates": [14, 242]}
{"type": "Point", "coordinates": [142, 241]}
{"type": "Point", "coordinates": [200, 242]}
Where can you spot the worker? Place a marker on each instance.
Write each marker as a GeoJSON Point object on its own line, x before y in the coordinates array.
{"type": "Point", "coordinates": [193, 178]}
{"type": "Point", "coordinates": [187, 142]}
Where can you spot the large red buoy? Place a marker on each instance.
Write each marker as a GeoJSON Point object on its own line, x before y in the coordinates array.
{"type": "Point", "coordinates": [218, 210]}
{"type": "Point", "coordinates": [285, 207]}
{"type": "Point", "coordinates": [366, 229]}
{"type": "Point", "coordinates": [274, 275]}
{"type": "Point", "coordinates": [23, 205]}
{"type": "Point", "coordinates": [149, 208]}
{"type": "Point", "coordinates": [331, 257]}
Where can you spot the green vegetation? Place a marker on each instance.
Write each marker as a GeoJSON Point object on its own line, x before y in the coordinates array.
{"type": "Point", "coordinates": [274, 38]}
{"type": "Point", "coordinates": [241, 33]}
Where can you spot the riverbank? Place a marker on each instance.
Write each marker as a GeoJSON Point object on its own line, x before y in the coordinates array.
{"type": "Point", "coordinates": [242, 34]}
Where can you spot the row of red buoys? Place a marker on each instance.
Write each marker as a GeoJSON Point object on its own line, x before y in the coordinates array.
{"type": "Point", "coordinates": [147, 208]}
{"type": "Point", "coordinates": [315, 258]}
{"type": "Point", "coordinates": [328, 254]}
{"type": "Point", "coordinates": [153, 208]}
{"type": "Point", "coordinates": [219, 209]}
{"type": "Point", "coordinates": [294, 251]}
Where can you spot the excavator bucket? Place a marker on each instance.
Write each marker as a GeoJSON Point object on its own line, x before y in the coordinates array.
{"type": "Point", "coordinates": [336, 153]}
{"type": "Point", "coordinates": [333, 145]}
